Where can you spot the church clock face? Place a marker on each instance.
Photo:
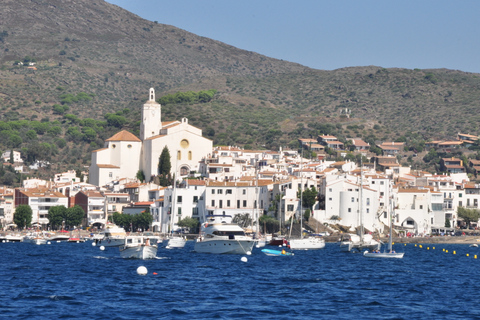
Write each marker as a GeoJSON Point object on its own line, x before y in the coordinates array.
{"type": "Point", "coordinates": [184, 143]}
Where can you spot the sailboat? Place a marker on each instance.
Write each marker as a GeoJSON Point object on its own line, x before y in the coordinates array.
{"type": "Point", "coordinates": [174, 241]}
{"type": "Point", "coordinates": [302, 243]}
{"type": "Point", "coordinates": [388, 251]}
{"type": "Point", "coordinates": [358, 243]}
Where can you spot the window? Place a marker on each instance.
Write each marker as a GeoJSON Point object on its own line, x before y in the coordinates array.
{"type": "Point", "coordinates": [460, 195]}
{"type": "Point", "coordinates": [421, 207]}
{"type": "Point", "coordinates": [228, 203]}
{"type": "Point", "coordinates": [220, 191]}
{"type": "Point", "coordinates": [179, 199]}
{"type": "Point", "coordinates": [385, 215]}
{"type": "Point", "coordinates": [368, 201]}
{"type": "Point", "coordinates": [110, 174]}
{"type": "Point", "coordinates": [179, 211]}
{"type": "Point", "coordinates": [220, 203]}
{"type": "Point", "coordinates": [381, 194]}
{"type": "Point", "coordinates": [368, 210]}
{"type": "Point", "coordinates": [229, 191]}
{"type": "Point", "coordinates": [244, 191]}
{"type": "Point", "coordinates": [195, 199]}
{"type": "Point", "coordinates": [129, 146]}
{"type": "Point", "coordinates": [179, 155]}
{"type": "Point", "coordinates": [329, 189]}
{"type": "Point", "coordinates": [213, 203]}
{"type": "Point", "coordinates": [244, 203]}
{"type": "Point", "coordinates": [290, 207]}
{"type": "Point", "coordinates": [189, 155]}
{"type": "Point", "coordinates": [213, 191]}
{"type": "Point", "coordinates": [382, 183]}
{"type": "Point", "coordinates": [353, 199]}
{"type": "Point", "coordinates": [349, 209]}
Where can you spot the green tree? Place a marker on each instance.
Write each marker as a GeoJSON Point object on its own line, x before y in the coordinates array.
{"type": "Point", "coordinates": [191, 223]}
{"type": "Point", "coordinates": [56, 216]}
{"type": "Point", "coordinates": [74, 216]}
{"type": "Point", "coordinates": [269, 224]}
{"type": "Point", "coordinates": [309, 197]}
{"type": "Point", "coordinates": [140, 176]}
{"type": "Point", "coordinates": [23, 216]}
{"type": "Point", "coordinates": [164, 164]}
{"type": "Point", "coordinates": [447, 223]}
{"type": "Point", "coordinates": [142, 220]}
{"type": "Point", "coordinates": [468, 215]}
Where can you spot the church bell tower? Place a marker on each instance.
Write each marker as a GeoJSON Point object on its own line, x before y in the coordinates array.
{"type": "Point", "coordinates": [151, 117]}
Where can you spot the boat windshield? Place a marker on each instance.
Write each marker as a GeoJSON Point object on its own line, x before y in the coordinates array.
{"type": "Point", "coordinates": [227, 233]}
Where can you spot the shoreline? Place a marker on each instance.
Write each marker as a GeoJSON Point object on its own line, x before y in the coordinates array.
{"type": "Point", "coordinates": [433, 239]}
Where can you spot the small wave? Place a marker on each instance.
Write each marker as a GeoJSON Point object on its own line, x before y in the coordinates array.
{"type": "Point", "coordinates": [163, 258]}
{"type": "Point", "coordinates": [100, 257]}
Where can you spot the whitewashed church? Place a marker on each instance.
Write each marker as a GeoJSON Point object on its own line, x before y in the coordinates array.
{"type": "Point", "coordinates": [124, 153]}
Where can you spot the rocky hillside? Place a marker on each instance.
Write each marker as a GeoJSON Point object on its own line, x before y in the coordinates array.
{"type": "Point", "coordinates": [90, 59]}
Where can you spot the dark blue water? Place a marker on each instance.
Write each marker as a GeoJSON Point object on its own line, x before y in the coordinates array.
{"type": "Point", "coordinates": [79, 281]}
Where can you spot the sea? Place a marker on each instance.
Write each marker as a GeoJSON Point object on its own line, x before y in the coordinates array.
{"type": "Point", "coordinates": [82, 281]}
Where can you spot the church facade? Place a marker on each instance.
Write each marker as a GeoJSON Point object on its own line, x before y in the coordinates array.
{"type": "Point", "coordinates": [124, 154]}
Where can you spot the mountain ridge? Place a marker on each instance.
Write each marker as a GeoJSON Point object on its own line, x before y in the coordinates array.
{"type": "Point", "coordinates": [114, 57]}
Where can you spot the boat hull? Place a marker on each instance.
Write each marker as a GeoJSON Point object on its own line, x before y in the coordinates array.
{"type": "Point", "coordinates": [307, 244]}
{"type": "Point", "coordinates": [175, 243]}
{"type": "Point", "coordinates": [384, 255]}
{"type": "Point", "coordinates": [224, 246]}
{"type": "Point", "coordinates": [111, 242]}
{"type": "Point", "coordinates": [138, 252]}
{"type": "Point", "coordinates": [37, 241]}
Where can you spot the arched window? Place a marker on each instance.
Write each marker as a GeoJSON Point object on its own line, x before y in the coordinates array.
{"type": "Point", "coordinates": [184, 171]}
{"type": "Point", "coordinates": [189, 155]}
{"type": "Point", "coordinates": [179, 155]}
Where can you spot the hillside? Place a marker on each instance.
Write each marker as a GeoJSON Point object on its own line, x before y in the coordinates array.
{"type": "Point", "coordinates": [94, 63]}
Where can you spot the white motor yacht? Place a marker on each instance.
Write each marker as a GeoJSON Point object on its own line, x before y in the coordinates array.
{"type": "Point", "coordinates": [35, 238]}
{"type": "Point", "coordinates": [219, 235]}
{"type": "Point", "coordinates": [111, 236]}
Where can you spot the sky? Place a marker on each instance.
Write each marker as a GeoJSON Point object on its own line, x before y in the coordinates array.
{"type": "Point", "coordinates": [333, 34]}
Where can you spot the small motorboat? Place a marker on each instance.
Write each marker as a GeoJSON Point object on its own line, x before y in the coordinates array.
{"type": "Point", "coordinates": [474, 245]}
{"type": "Point", "coordinates": [271, 252]}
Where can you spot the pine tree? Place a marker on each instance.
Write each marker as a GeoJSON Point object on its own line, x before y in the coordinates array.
{"type": "Point", "coordinates": [164, 165]}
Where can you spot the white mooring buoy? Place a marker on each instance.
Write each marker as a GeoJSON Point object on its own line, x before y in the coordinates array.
{"type": "Point", "coordinates": [142, 270]}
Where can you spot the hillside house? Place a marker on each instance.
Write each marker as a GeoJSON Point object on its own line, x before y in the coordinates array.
{"type": "Point", "coordinates": [452, 165]}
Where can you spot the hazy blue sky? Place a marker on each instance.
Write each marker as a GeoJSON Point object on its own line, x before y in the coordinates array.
{"type": "Point", "coordinates": [333, 34]}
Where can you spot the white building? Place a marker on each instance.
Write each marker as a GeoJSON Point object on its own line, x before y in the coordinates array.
{"type": "Point", "coordinates": [413, 210]}
{"type": "Point", "coordinates": [124, 154]}
{"type": "Point", "coordinates": [16, 156]}
{"type": "Point", "coordinates": [190, 203]}
{"type": "Point", "coordinates": [40, 201]}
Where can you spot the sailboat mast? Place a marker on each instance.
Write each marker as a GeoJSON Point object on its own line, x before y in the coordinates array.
{"type": "Point", "coordinates": [390, 226]}
{"type": "Point", "coordinates": [361, 201]}
{"type": "Point", "coordinates": [301, 193]}
{"type": "Point", "coordinates": [172, 215]}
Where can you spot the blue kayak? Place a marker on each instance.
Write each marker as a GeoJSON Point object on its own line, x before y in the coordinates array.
{"type": "Point", "coordinates": [270, 252]}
